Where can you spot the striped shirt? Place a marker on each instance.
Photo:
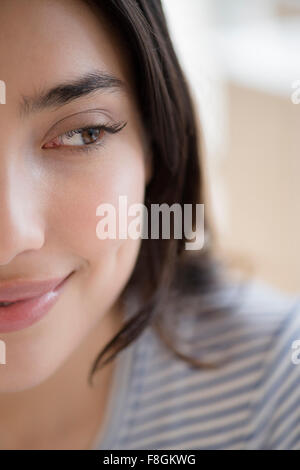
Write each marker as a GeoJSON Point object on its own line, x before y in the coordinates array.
{"type": "Point", "coordinates": [251, 402]}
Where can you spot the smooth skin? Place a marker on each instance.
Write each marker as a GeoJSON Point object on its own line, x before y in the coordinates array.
{"type": "Point", "coordinates": [49, 191]}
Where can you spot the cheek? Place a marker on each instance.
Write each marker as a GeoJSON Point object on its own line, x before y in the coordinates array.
{"type": "Point", "coordinates": [73, 207]}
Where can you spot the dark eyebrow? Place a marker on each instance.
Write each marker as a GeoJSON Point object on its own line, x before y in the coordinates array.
{"type": "Point", "coordinates": [65, 92]}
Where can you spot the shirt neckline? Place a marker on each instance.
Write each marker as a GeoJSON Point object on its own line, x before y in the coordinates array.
{"type": "Point", "coordinates": [120, 391]}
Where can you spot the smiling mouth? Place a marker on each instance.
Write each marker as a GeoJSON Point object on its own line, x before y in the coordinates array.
{"type": "Point", "coordinates": [5, 304]}
{"type": "Point", "coordinates": [22, 291]}
{"type": "Point", "coordinates": [21, 313]}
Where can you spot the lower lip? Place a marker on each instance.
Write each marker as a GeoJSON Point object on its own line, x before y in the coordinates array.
{"type": "Point", "coordinates": [26, 312]}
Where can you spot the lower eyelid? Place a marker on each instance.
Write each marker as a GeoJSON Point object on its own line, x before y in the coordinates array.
{"type": "Point", "coordinates": [89, 147]}
{"type": "Point", "coordinates": [81, 148]}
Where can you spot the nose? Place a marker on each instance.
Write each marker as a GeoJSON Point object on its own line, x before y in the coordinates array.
{"type": "Point", "coordinates": [20, 226]}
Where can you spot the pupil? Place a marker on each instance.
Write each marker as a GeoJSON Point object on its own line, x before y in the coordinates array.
{"type": "Point", "coordinates": [90, 135]}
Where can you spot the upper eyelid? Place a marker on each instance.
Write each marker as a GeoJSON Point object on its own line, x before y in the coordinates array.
{"type": "Point", "coordinates": [82, 128]}
{"type": "Point", "coordinates": [108, 127]}
{"type": "Point", "coordinates": [52, 133]}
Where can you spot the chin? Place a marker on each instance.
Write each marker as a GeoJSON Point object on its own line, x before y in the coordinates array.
{"type": "Point", "coordinates": [29, 367]}
{"type": "Point", "coordinates": [20, 380]}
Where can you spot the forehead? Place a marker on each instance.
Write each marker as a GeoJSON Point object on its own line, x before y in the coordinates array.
{"type": "Point", "coordinates": [46, 41]}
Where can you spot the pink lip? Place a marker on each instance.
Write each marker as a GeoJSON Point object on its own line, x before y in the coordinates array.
{"type": "Point", "coordinates": [20, 290]}
{"type": "Point", "coordinates": [33, 301]}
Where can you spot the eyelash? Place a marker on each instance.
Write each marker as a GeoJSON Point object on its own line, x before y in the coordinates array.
{"type": "Point", "coordinates": [107, 128]}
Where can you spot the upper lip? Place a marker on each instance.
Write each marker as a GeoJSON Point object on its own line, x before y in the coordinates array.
{"type": "Point", "coordinates": [13, 291]}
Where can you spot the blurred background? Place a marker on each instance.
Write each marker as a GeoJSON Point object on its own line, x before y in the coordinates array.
{"type": "Point", "coordinates": [242, 59]}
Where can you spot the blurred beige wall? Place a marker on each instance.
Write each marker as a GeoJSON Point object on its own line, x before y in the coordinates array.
{"type": "Point", "coordinates": [259, 178]}
{"type": "Point", "coordinates": [241, 60]}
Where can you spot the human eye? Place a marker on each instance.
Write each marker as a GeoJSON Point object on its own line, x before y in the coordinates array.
{"type": "Point", "coordinates": [84, 138]}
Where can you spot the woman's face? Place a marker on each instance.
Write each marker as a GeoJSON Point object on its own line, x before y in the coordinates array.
{"type": "Point", "coordinates": [51, 183]}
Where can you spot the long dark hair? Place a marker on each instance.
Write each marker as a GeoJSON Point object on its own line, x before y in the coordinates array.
{"type": "Point", "coordinates": [163, 266]}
